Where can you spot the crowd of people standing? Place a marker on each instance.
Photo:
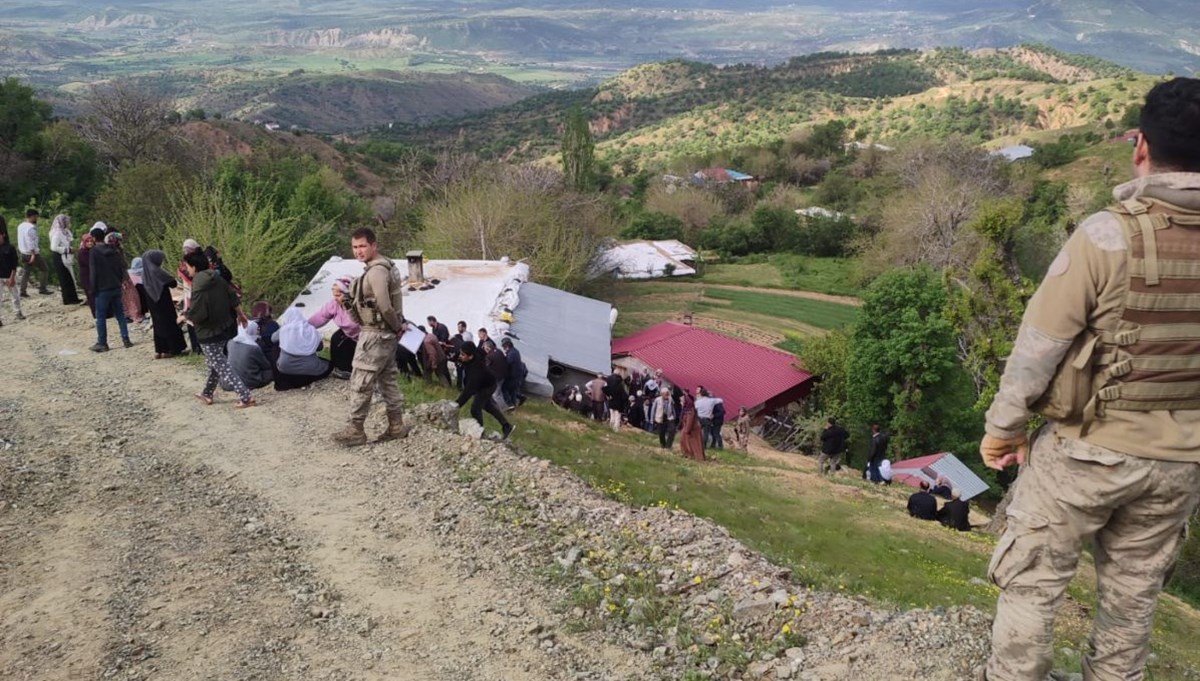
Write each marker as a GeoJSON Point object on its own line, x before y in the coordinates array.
{"type": "Point", "coordinates": [651, 403]}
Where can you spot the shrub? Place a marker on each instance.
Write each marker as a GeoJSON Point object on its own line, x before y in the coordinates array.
{"type": "Point", "coordinates": [271, 254]}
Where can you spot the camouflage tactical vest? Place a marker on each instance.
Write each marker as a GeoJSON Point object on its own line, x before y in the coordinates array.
{"type": "Point", "coordinates": [1151, 360]}
{"type": "Point", "coordinates": [362, 307]}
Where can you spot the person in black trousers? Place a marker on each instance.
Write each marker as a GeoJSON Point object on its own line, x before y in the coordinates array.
{"type": "Point", "coordinates": [478, 386]}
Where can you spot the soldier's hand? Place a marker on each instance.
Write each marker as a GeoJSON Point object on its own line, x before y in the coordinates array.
{"type": "Point", "coordinates": [999, 453]}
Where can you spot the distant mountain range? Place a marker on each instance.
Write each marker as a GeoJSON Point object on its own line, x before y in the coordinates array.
{"type": "Point", "coordinates": [338, 66]}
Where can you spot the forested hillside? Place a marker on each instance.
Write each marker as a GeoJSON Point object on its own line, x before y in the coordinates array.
{"type": "Point", "coordinates": [661, 111]}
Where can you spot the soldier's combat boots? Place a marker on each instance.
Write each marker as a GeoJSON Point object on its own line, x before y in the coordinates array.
{"type": "Point", "coordinates": [352, 435]}
{"type": "Point", "coordinates": [396, 429]}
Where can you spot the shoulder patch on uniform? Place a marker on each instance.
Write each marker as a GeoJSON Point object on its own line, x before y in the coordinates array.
{"type": "Point", "coordinates": [1104, 230]}
{"type": "Point", "coordinates": [1060, 265]}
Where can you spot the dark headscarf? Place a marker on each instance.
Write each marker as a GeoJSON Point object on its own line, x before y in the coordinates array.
{"type": "Point", "coordinates": [154, 277]}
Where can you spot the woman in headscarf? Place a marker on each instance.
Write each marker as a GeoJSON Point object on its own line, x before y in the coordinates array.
{"type": "Point", "coordinates": [84, 256]}
{"type": "Point", "coordinates": [131, 293]}
{"type": "Point", "coordinates": [298, 364]}
{"type": "Point", "coordinates": [247, 360]}
{"type": "Point", "coordinates": [168, 339]}
{"type": "Point", "coordinates": [185, 279]}
{"type": "Point", "coordinates": [130, 302]}
{"type": "Point", "coordinates": [215, 308]}
{"type": "Point", "coordinates": [60, 243]}
{"type": "Point", "coordinates": [345, 339]}
{"type": "Point", "coordinates": [741, 429]}
{"type": "Point", "coordinates": [262, 313]}
{"type": "Point", "coordinates": [691, 441]}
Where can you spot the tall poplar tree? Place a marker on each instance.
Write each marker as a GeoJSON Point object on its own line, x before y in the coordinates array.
{"type": "Point", "coordinates": [578, 151]}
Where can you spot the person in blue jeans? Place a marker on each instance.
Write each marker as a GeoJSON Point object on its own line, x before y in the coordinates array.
{"type": "Point", "coordinates": [108, 271]}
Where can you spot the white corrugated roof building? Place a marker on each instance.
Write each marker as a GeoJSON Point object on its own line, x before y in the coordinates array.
{"type": "Point", "coordinates": [643, 259]}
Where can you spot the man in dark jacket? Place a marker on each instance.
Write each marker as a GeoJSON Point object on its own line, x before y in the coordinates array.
{"type": "Point", "coordinates": [478, 386]}
{"type": "Point", "coordinates": [108, 272]}
{"type": "Point", "coordinates": [876, 453]}
{"type": "Point", "coordinates": [923, 505]}
{"type": "Point", "coordinates": [439, 330]}
{"type": "Point", "coordinates": [956, 514]}
{"type": "Point", "coordinates": [515, 377]}
{"type": "Point", "coordinates": [833, 443]}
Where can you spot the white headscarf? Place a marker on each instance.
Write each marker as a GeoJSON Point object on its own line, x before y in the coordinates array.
{"type": "Point", "coordinates": [296, 335]}
{"type": "Point", "coordinates": [248, 334]}
{"type": "Point", "coordinates": [61, 225]}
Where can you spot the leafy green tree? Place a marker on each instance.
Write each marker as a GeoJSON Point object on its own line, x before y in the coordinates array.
{"type": "Point", "coordinates": [828, 357]}
{"type": "Point", "coordinates": [780, 226]}
{"type": "Point", "coordinates": [826, 237]}
{"type": "Point", "coordinates": [578, 151]}
{"type": "Point", "coordinates": [140, 200]}
{"type": "Point", "coordinates": [986, 303]}
{"type": "Point", "coordinates": [903, 366]}
{"type": "Point", "coordinates": [653, 226]}
{"type": "Point", "coordinates": [38, 158]}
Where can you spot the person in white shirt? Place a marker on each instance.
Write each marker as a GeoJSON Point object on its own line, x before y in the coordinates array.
{"type": "Point", "coordinates": [30, 254]}
{"type": "Point", "coordinates": [60, 243]}
{"type": "Point", "coordinates": [705, 403]}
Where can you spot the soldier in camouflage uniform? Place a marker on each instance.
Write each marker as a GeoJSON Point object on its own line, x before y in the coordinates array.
{"type": "Point", "coordinates": [1109, 351]}
{"type": "Point", "coordinates": [375, 302]}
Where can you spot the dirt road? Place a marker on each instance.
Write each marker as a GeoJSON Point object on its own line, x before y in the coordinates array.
{"type": "Point", "coordinates": [144, 535]}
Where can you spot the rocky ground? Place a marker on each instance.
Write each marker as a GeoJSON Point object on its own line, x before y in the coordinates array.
{"type": "Point", "coordinates": [146, 536]}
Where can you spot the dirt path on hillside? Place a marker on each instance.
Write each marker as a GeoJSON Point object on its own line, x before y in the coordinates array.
{"type": "Point", "coordinates": [143, 535]}
{"type": "Point", "coordinates": [811, 295]}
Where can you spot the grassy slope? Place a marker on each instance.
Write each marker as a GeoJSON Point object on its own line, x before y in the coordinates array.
{"type": "Point", "coordinates": [835, 276]}
{"type": "Point", "coordinates": [838, 535]}
{"type": "Point", "coordinates": [763, 317]}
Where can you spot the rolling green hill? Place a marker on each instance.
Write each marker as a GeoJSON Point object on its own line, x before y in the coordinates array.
{"type": "Point", "coordinates": [654, 112]}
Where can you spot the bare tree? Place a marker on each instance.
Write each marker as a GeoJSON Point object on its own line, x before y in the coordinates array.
{"type": "Point", "coordinates": [943, 185]}
{"type": "Point", "coordinates": [127, 123]}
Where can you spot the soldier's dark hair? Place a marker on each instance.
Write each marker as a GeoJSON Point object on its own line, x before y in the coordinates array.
{"type": "Point", "coordinates": [364, 233]}
{"type": "Point", "coordinates": [196, 259]}
{"type": "Point", "coordinates": [1171, 124]}
{"type": "Point", "coordinates": [32, 213]}
{"type": "Point", "coordinates": [468, 348]}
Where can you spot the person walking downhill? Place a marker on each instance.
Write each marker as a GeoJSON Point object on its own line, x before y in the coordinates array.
{"type": "Point", "coordinates": [375, 303]}
{"type": "Point", "coordinates": [662, 415]}
{"type": "Point", "coordinates": [215, 309]}
{"type": "Point", "coordinates": [691, 440]}
{"type": "Point", "coordinates": [1107, 352]}
{"type": "Point", "coordinates": [108, 271]}
{"type": "Point", "coordinates": [60, 245]}
{"type": "Point", "coordinates": [833, 446]}
{"type": "Point", "coordinates": [8, 271]}
{"type": "Point", "coordinates": [479, 385]}
{"type": "Point", "coordinates": [31, 254]}
{"type": "Point", "coordinates": [741, 429]}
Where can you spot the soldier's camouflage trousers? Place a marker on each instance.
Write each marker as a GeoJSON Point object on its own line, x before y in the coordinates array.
{"type": "Point", "coordinates": [374, 366]}
{"type": "Point", "coordinates": [1069, 491]}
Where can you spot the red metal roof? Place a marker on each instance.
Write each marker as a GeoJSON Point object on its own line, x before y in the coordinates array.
{"type": "Point", "coordinates": [917, 463]}
{"type": "Point", "coordinates": [742, 374]}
